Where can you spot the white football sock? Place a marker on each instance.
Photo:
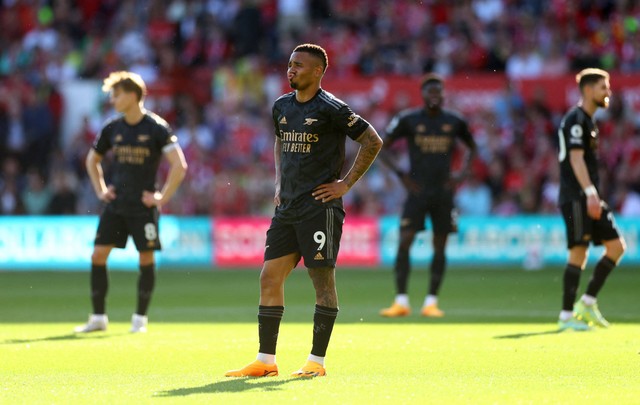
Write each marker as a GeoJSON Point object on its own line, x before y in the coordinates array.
{"type": "Point", "coordinates": [267, 358]}
{"type": "Point", "coordinates": [402, 299]}
{"type": "Point", "coordinates": [565, 315]}
{"type": "Point", "coordinates": [431, 300]}
{"type": "Point", "coordinates": [317, 359]}
{"type": "Point", "coordinates": [588, 300]}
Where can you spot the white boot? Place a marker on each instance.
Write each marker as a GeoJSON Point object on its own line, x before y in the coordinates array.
{"type": "Point", "coordinates": [138, 323]}
{"type": "Point", "coordinates": [95, 323]}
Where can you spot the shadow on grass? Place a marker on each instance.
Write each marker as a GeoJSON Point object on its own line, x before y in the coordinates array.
{"type": "Point", "coordinates": [530, 334]}
{"type": "Point", "coordinates": [230, 385]}
{"type": "Point", "coordinates": [57, 338]}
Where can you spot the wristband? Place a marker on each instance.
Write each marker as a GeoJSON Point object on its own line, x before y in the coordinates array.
{"type": "Point", "coordinates": [591, 190]}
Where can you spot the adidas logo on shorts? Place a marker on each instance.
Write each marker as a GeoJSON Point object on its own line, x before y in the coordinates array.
{"type": "Point", "coordinates": [318, 256]}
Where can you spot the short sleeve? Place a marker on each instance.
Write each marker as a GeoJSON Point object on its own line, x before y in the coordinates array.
{"type": "Point", "coordinates": [350, 122]}
{"type": "Point", "coordinates": [574, 133]}
{"type": "Point", "coordinates": [394, 129]}
{"type": "Point", "coordinates": [465, 134]}
{"type": "Point", "coordinates": [275, 113]}
{"type": "Point", "coordinates": [167, 138]}
{"type": "Point", "coordinates": [102, 143]}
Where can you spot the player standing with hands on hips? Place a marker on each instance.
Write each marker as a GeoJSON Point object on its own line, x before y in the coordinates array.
{"type": "Point", "coordinates": [138, 139]}
{"type": "Point", "coordinates": [431, 133]}
{"type": "Point", "coordinates": [311, 127]}
{"type": "Point", "coordinates": [586, 216]}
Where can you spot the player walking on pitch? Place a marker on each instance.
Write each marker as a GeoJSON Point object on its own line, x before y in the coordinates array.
{"type": "Point", "coordinates": [311, 127]}
{"type": "Point", "coordinates": [139, 139]}
{"type": "Point", "coordinates": [586, 216]}
{"type": "Point", "coordinates": [431, 132]}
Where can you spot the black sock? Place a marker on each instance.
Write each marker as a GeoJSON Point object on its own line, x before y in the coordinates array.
{"type": "Point", "coordinates": [438, 264]}
{"type": "Point", "coordinates": [600, 274]}
{"type": "Point", "coordinates": [323, 320]}
{"type": "Point", "coordinates": [402, 271]}
{"type": "Point", "coordinates": [269, 318]}
{"type": "Point", "coordinates": [146, 282]}
{"type": "Point", "coordinates": [99, 288]}
{"type": "Point", "coordinates": [571, 281]}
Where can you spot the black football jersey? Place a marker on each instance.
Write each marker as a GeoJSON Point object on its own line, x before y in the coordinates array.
{"type": "Point", "coordinates": [137, 151]}
{"type": "Point", "coordinates": [313, 136]}
{"type": "Point", "coordinates": [431, 141]}
{"type": "Point", "coordinates": [577, 131]}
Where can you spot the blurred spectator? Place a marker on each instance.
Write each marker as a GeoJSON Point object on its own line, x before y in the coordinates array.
{"type": "Point", "coordinates": [64, 197]}
{"type": "Point", "coordinates": [551, 191]}
{"type": "Point", "coordinates": [292, 17]}
{"type": "Point", "coordinates": [473, 197]}
{"type": "Point", "coordinates": [10, 198]}
{"type": "Point", "coordinates": [13, 134]}
{"type": "Point", "coordinates": [525, 62]}
{"type": "Point", "coordinates": [38, 123]}
{"type": "Point", "coordinates": [507, 205]}
{"type": "Point", "coordinates": [215, 66]}
{"type": "Point", "coordinates": [629, 203]}
{"type": "Point", "coordinates": [36, 195]}
{"type": "Point", "coordinates": [495, 178]}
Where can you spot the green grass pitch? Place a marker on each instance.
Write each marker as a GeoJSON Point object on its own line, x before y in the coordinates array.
{"type": "Point", "coordinates": [497, 344]}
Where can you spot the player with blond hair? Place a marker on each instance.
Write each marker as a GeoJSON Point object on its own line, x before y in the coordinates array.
{"type": "Point", "coordinates": [138, 139]}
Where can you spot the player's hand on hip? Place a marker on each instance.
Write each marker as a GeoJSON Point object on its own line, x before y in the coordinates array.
{"type": "Point", "coordinates": [108, 195]}
{"type": "Point", "coordinates": [150, 199]}
{"type": "Point", "coordinates": [276, 199]}
{"type": "Point", "coordinates": [330, 191]}
{"type": "Point", "coordinates": [594, 207]}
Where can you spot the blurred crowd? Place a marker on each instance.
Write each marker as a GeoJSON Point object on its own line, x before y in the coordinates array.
{"type": "Point", "coordinates": [214, 67]}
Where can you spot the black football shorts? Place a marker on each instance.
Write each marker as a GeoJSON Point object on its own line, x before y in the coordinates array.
{"type": "Point", "coordinates": [316, 239]}
{"type": "Point", "coordinates": [114, 229]}
{"type": "Point", "coordinates": [582, 229]}
{"type": "Point", "coordinates": [439, 207]}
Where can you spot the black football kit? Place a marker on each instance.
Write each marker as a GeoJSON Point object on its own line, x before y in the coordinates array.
{"type": "Point", "coordinates": [431, 140]}
{"type": "Point", "coordinates": [312, 136]}
{"type": "Point", "coordinates": [579, 131]}
{"type": "Point", "coordinates": [137, 152]}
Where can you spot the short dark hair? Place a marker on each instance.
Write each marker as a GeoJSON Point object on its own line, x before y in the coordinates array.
{"type": "Point", "coordinates": [315, 50]}
{"type": "Point", "coordinates": [127, 81]}
{"type": "Point", "coordinates": [590, 76]}
{"type": "Point", "coordinates": [431, 78]}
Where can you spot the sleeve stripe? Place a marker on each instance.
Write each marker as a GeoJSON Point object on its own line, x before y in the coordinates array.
{"type": "Point", "coordinates": [169, 147]}
{"type": "Point", "coordinates": [332, 102]}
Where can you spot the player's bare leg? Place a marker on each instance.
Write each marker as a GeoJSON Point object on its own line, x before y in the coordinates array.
{"type": "Point", "coordinates": [324, 282]}
{"type": "Point", "coordinates": [272, 277]}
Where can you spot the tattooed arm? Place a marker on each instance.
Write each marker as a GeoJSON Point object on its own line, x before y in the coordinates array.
{"type": "Point", "coordinates": [370, 144]}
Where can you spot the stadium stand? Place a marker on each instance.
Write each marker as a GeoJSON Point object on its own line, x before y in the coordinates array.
{"type": "Point", "coordinates": [214, 66]}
